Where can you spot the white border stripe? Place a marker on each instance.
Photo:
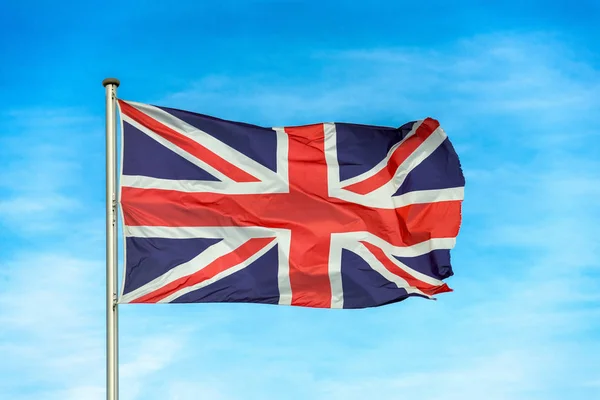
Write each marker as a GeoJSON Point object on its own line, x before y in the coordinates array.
{"type": "Point", "coordinates": [283, 158]}
{"type": "Point", "coordinates": [193, 186]}
{"type": "Point", "coordinates": [333, 168]}
{"type": "Point", "coordinates": [406, 199]}
{"type": "Point", "coordinates": [335, 272]}
{"type": "Point", "coordinates": [284, 241]}
{"type": "Point", "coordinates": [189, 232]}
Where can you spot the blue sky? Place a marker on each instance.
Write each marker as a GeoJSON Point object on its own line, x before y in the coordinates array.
{"type": "Point", "coordinates": [515, 85]}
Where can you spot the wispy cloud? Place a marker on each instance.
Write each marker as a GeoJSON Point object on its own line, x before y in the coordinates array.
{"type": "Point", "coordinates": [53, 318]}
{"type": "Point", "coordinates": [519, 323]}
{"type": "Point", "coordinates": [514, 76]}
{"type": "Point", "coordinates": [45, 182]}
{"type": "Point", "coordinates": [52, 279]}
{"type": "Point", "coordinates": [51, 311]}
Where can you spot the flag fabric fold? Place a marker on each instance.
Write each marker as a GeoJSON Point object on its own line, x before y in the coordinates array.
{"type": "Point", "coordinates": [328, 215]}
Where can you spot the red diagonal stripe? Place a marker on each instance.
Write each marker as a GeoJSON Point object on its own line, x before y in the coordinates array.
{"type": "Point", "coordinates": [399, 155]}
{"type": "Point", "coordinates": [187, 144]}
{"type": "Point", "coordinates": [424, 287]}
{"type": "Point", "coordinates": [221, 264]}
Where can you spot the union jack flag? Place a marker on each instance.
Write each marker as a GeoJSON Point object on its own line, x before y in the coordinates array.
{"type": "Point", "coordinates": [329, 215]}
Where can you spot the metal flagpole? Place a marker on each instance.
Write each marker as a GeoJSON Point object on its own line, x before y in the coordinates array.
{"type": "Point", "coordinates": [112, 328]}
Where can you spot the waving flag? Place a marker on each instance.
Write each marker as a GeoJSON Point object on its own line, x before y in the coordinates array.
{"type": "Point", "coordinates": [329, 215]}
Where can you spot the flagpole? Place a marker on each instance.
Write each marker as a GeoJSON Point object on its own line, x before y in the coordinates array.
{"type": "Point", "coordinates": [112, 327]}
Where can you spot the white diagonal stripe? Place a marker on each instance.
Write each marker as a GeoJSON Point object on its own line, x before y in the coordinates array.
{"type": "Point", "coordinates": [233, 233]}
{"type": "Point", "coordinates": [220, 275]}
{"type": "Point", "coordinates": [350, 238]}
{"type": "Point", "coordinates": [178, 150]}
{"type": "Point", "coordinates": [225, 151]}
{"type": "Point", "coordinates": [423, 151]}
{"type": "Point", "coordinates": [374, 263]}
{"type": "Point", "coordinates": [383, 163]}
{"type": "Point", "coordinates": [416, 274]}
{"type": "Point", "coordinates": [378, 199]}
{"type": "Point", "coordinates": [194, 265]}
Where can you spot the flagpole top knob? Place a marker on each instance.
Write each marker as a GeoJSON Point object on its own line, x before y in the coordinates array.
{"type": "Point", "coordinates": [111, 81]}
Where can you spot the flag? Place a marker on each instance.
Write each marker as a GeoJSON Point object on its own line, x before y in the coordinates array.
{"type": "Point", "coordinates": [327, 215]}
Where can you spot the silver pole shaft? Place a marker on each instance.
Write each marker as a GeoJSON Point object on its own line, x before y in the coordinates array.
{"type": "Point", "coordinates": [112, 332]}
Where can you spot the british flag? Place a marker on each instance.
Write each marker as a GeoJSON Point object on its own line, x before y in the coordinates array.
{"type": "Point", "coordinates": [329, 215]}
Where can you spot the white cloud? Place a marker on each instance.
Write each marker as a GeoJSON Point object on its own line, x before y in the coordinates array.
{"type": "Point", "coordinates": [45, 180]}
{"type": "Point", "coordinates": [52, 281]}
{"type": "Point", "coordinates": [185, 390]}
{"type": "Point", "coordinates": [518, 325]}
{"type": "Point", "coordinates": [525, 79]}
{"type": "Point", "coordinates": [51, 311]}
{"type": "Point", "coordinates": [54, 333]}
